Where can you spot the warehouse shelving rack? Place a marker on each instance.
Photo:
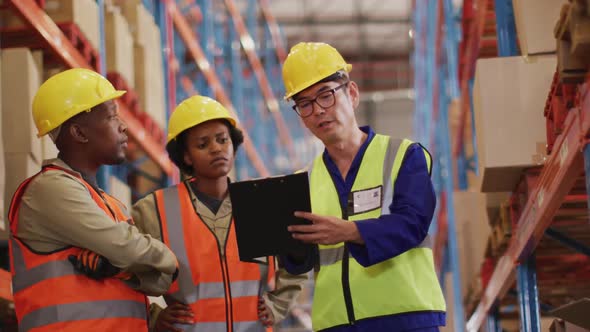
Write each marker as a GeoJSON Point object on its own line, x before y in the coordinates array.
{"type": "Point", "coordinates": [201, 54]}
{"type": "Point", "coordinates": [60, 46]}
{"type": "Point", "coordinates": [435, 62]}
{"type": "Point", "coordinates": [227, 63]}
{"type": "Point", "coordinates": [200, 39]}
{"type": "Point", "coordinates": [488, 30]}
{"type": "Point", "coordinates": [203, 61]}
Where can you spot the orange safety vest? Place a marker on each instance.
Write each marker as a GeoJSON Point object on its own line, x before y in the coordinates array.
{"type": "Point", "coordinates": [49, 295]}
{"type": "Point", "coordinates": [221, 290]}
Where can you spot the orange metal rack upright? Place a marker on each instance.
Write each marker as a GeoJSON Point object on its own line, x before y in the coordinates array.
{"type": "Point", "coordinates": [61, 46]}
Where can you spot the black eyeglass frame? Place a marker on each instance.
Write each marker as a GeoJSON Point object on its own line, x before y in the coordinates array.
{"type": "Point", "coordinates": [314, 100]}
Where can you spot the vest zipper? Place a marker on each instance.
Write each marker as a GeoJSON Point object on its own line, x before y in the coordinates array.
{"type": "Point", "coordinates": [346, 279]}
{"type": "Point", "coordinates": [225, 275]}
{"type": "Point", "coordinates": [226, 280]}
{"type": "Point", "coordinates": [227, 291]}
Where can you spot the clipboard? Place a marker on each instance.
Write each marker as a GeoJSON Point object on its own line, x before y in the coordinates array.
{"type": "Point", "coordinates": [262, 211]}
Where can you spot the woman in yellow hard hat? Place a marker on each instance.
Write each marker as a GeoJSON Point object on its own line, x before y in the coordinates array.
{"type": "Point", "coordinates": [214, 291]}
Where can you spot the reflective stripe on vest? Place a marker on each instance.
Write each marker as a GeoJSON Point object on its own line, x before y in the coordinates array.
{"type": "Point", "coordinates": [82, 311]}
{"type": "Point", "coordinates": [49, 295]}
{"type": "Point", "coordinates": [27, 278]}
{"type": "Point", "coordinates": [204, 274]}
{"type": "Point", "coordinates": [330, 256]}
{"type": "Point", "coordinates": [406, 283]}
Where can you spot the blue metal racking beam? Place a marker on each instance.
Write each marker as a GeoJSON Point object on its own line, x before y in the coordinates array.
{"type": "Point", "coordinates": [436, 85]}
{"type": "Point", "coordinates": [528, 297]}
{"type": "Point", "coordinates": [526, 275]}
{"type": "Point", "coordinates": [565, 240]}
{"type": "Point", "coordinates": [493, 321]}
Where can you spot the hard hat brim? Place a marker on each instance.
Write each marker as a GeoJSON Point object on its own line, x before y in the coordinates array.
{"type": "Point", "coordinates": [195, 123]}
{"type": "Point", "coordinates": [347, 68]}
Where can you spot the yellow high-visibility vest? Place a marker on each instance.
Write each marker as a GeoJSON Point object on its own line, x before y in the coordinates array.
{"type": "Point", "coordinates": [346, 291]}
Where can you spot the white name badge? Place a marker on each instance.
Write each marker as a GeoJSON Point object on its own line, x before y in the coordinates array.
{"type": "Point", "coordinates": [366, 200]}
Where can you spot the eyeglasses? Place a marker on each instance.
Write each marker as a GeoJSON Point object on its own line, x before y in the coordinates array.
{"type": "Point", "coordinates": [324, 100]}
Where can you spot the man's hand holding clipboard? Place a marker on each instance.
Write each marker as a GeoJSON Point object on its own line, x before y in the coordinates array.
{"type": "Point", "coordinates": [325, 230]}
{"type": "Point", "coordinates": [264, 209]}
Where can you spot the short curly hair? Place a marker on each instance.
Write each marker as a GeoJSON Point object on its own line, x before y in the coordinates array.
{"type": "Point", "coordinates": [177, 147]}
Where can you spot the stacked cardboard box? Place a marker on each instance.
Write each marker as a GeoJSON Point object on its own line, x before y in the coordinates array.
{"type": "Point", "coordinates": [138, 18]}
{"type": "Point", "coordinates": [514, 325]}
{"type": "Point", "coordinates": [147, 52]}
{"type": "Point", "coordinates": [82, 12]}
{"type": "Point", "coordinates": [509, 100]}
{"type": "Point", "coordinates": [473, 230]}
{"type": "Point", "coordinates": [573, 317]}
{"type": "Point", "coordinates": [534, 24]}
{"type": "Point", "coordinates": [119, 45]}
{"type": "Point", "coordinates": [572, 31]}
{"type": "Point", "coordinates": [21, 77]}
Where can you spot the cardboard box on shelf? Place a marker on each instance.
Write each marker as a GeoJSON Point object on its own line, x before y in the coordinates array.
{"type": "Point", "coordinates": [560, 325]}
{"type": "Point", "coordinates": [509, 100]}
{"type": "Point", "coordinates": [119, 45]}
{"type": "Point", "coordinates": [493, 202]}
{"type": "Point", "coordinates": [149, 77]}
{"type": "Point", "coordinates": [571, 67]}
{"type": "Point", "coordinates": [20, 81]}
{"type": "Point", "coordinates": [139, 19]}
{"type": "Point", "coordinates": [575, 315]}
{"type": "Point", "coordinates": [157, 81]}
{"type": "Point", "coordinates": [473, 230]}
{"type": "Point", "coordinates": [514, 325]}
{"type": "Point", "coordinates": [82, 12]}
{"type": "Point", "coordinates": [534, 24]}
{"type": "Point", "coordinates": [19, 166]}
{"type": "Point", "coordinates": [142, 76]}
{"type": "Point", "coordinates": [579, 29]}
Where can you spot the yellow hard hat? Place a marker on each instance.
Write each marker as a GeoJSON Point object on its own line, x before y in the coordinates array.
{"type": "Point", "coordinates": [67, 94]}
{"type": "Point", "coordinates": [309, 63]}
{"type": "Point", "coordinates": [193, 111]}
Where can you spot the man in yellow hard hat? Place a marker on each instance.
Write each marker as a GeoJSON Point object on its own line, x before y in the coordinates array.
{"type": "Point", "coordinates": [63, 226]}
{"type": "Point", "coordinates": [372, 204]}
{"type": "Point", "coordinates": [195, 219]}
